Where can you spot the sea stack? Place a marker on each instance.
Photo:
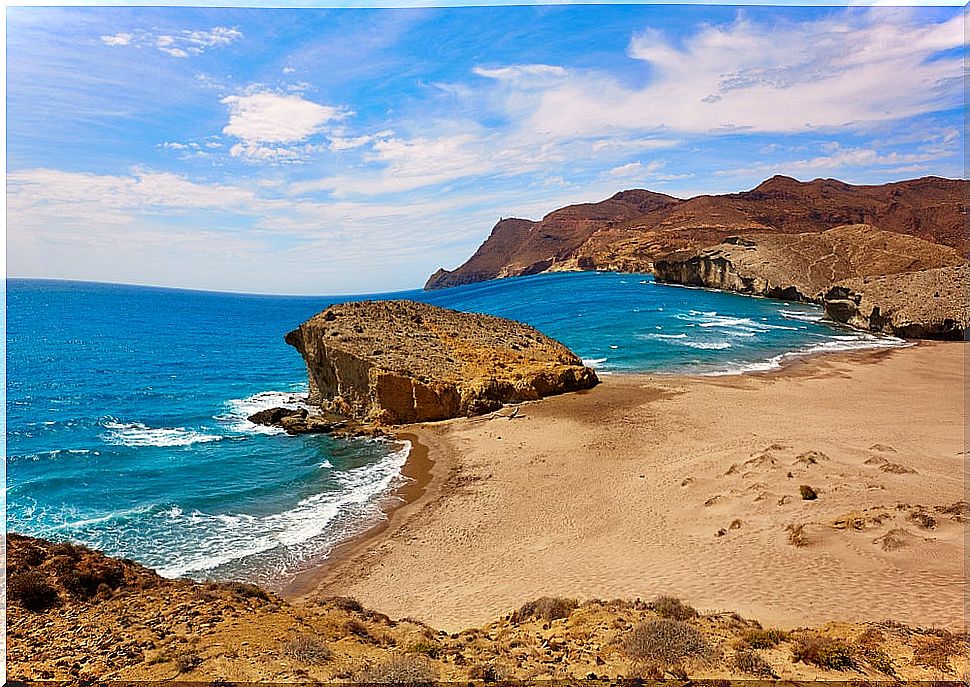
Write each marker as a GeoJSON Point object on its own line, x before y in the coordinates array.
{"type": "Point", "coordinates": [395, 362]}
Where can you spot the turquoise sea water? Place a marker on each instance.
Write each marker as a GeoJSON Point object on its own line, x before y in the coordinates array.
{"type": "Point", "coordinates": [126, 406]}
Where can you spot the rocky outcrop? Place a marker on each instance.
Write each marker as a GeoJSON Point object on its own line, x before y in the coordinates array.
{"type": "Point", "coordinates": [801, 267]}
{"type": "Point", "coordinates": [930, 304]}
{"type": "Point", "coordinates": [394, 362]}
{"type": "Point", "coordinates": [629, 230]}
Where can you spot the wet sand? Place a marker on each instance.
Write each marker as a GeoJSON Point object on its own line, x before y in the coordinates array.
{"type": "Point", "coordinates": [689, 486]}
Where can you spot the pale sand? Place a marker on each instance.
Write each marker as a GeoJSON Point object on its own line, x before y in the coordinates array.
{"type": "Point", "coordinates": [619, 491]}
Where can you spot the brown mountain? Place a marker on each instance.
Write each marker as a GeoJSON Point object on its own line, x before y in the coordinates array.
{"type": "Point", "coordinates": [626, 232]}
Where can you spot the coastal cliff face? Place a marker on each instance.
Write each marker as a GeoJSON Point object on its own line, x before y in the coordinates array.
{"type": "Point", "coordinates": [930, 304]}
{"type": "Point", "coordinates": [801, 267]}
{"type": "Point", "coordinates": [394, 362]}
{"type": "Point", "coordinates": [630, 230]}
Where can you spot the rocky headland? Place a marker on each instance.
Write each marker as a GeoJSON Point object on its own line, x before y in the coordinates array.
{"type": "Point", "coordinates": [629, 230]}
{"type": "Point", "coordinates": [395, 362]}
{"type": "Point", "coordinates": [784, 239]}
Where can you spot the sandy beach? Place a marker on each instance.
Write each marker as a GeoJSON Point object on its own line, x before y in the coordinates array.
{"type": "Point", "coordinates": [691, 486]}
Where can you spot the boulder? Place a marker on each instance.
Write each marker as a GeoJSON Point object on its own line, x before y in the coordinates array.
{"type": "Point", "coordinates": [395, 362]}
{"type": "Point", "coordinates": [274, 416]}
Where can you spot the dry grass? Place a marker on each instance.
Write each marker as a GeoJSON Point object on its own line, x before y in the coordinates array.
{"type": "Point", "coordinates": [406, 669]}
{"type": "Point", "coordinates": [796, 535]}
{"type": "Point", "coordinates": [307, 649]}
{"type": "Point", "coordinates": [672, 608]}
{"type": "Point", "coordinates": [823, 652]}
{"type": "Point", "coordinates": [545, 608]}
{"type": "Point", "coordinates": [750, 662]}
{"type": "Point", "coordinates": [665, 642]}
{"type": "Point", "coordinates": [764, 639]}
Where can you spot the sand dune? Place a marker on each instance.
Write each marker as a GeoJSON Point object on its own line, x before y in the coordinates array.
{"type": "Point", "coordinates": [692, 486]}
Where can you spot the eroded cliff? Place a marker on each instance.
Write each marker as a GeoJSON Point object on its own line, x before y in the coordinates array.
{"type": "Point", "coordinates": [394, 362]}
{"type": "Point", "coordinates": [802, 267]}
{"type": "Point", "coordinates": [930, 304]}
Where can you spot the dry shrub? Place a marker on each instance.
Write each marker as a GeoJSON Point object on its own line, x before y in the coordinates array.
{"type": "Point", "coordinates": [492, 671]}
{"type": "Point", "coordinates": [824, 652]}
{"type": "Point", "coordinates": [187, 660]}
{"type": "Point", "coordinates": [750, 662]}
{"type": "Point", "coordinates": [245, 590]}
{"type": "Point", "coordinates": [404, 669]}
{"type": "Point", "coordinates": [666, 642]}
{"type": "Point", "coordinates": [545, 608]}
{"type": "Point", "coordinates": [91, 576]}
{"type": "Point", "coordinates": [428, 648]}
{"type": "Point", "coordinates": [895, 539]}
{"type": "Point", "coordinates": [307, 649]}
{"type": "Point", "coordinates": [343, 603]}
{"type": "Point", "coordinates": [31, 590]}
{"type": "Point", "coordinates": [672, 608]}
{"type": "Point", "coordinates": [796, 535]}
{"type": "Point", "coordinates": [922, 519]}
{"type": "Point", "coordinates": [935, 651]}
{"type": "Point", "coordinates": [764, 639]}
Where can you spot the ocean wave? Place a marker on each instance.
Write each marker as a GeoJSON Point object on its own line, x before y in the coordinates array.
{"type": "Point", "coordinates": [800, 316]}
{"type": "Point", "coordinates": [593, 362]}
{"type": "Point", "coordinates": [837, 344]}
{"type": "Point", "coordinates": [654, 335]}
{"type": "Point", "coordinates": [707, 345]}
{"type": "Point", "coordinates": [238, 410]}
{"type": "Point", "coordinates": [212, 541]}
{"type": "Point", "coordinates": [136, 434]}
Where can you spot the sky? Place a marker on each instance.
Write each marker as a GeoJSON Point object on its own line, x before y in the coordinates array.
{"type": "Point", "coordinates": [338, 151]}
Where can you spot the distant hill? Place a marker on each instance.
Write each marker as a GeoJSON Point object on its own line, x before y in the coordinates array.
{"type": "Point", "coordinates": [629, 230]}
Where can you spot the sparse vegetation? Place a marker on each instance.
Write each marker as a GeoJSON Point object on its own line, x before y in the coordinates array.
{"type": "Point", "coordinates": [750, 662]}
{"type": "Point", "coordinates": [307, 649]}
{"type": "Point", "coordinates": [665, 642]}
{"type": "Point", "coordinates": [429, 649]}
{"type": "Point", "coordinates": [245, 589]}
{"type": "Point", "coordinates": [807, 493]}
{"type": "Point", "coordinates": [758, 638]}
{"type": "Point", "coordinates": [344, 603]}
{"type": "Point", "coordinates": [796, 535]}
{"type": "Point", "coordinates": [187, 661]}
{"type": "Point", "coordinates": [31, 590]}
{"type": "Point", "coordinates": [935, 651]}
{"type": "Point", "coordinates": [491, 671]}
{"type": "Point", "coordinates": [545, 608]}
{"type": "Point", "coordinates": [823, 652]}
{"type": "Point", "coordinates": [90, 577]}
{"type": "Point", "coordinates": [407, 669]}
{"type": "Point", "coordinates": [672, 608]}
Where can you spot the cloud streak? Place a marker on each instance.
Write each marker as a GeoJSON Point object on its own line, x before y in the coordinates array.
{"type": "Point", "coordinates": [179, 44]}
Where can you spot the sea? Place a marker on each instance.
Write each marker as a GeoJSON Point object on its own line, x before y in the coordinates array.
{"type": "Point", "coordinates": [127, 405]}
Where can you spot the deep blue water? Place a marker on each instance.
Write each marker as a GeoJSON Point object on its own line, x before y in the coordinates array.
{"type": "Point", "coordinates": [126, 406]}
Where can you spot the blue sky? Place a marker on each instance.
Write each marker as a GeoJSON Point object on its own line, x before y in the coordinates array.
{"type": "Point", "coordinates": [335, 151]}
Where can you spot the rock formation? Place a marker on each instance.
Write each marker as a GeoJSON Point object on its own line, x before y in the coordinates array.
{"type": "Point", "coordinates": [930, 304]}
{"type": "Point", "coordinates": [393, 362]}
{"type": "Point", "coordinates": [626, 232]}
{"type": "Point", "coordinates": [801, 267]}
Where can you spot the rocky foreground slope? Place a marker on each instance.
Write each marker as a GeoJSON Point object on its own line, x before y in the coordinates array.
{"type": "Point", "coordinates": [394, 362]}
{"type": "Point", "coordinates": [75, 615]}
{"type": "Point", "coordinates": [628, 231]}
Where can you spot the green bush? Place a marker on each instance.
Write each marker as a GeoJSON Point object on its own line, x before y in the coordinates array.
{"type": "Point", "coordinates": [764, 639]}
{"type": "Point", "coordinates": [750, 662]}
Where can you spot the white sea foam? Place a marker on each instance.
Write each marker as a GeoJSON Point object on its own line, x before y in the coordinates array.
{"type": "Point", "coordinates": [135, 434]}
{"type": "Point", "coordinates": [860, 341]}
{"type": "Point", "coordinates": [800, 316]}
{"type": "Point", "coordinates": [593, 362]}
{"type": "Point", "coordinates": [209, 541]}
{"type": "Point", "coordinates": [707, 345]}
{"type": "Point", "coordinates": [239, 409]}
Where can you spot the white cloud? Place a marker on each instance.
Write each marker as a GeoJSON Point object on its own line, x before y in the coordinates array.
{"type": "Point", "coordinates": [179, 44]}
{"type": "Point", "coordinates": [837, 158]}
{"type": "Point", "coordinates": [522, 72]}
{"type": "Point", "coordinates": [745, 76]}
{"type": "Point", "coordinates": [275, 126]}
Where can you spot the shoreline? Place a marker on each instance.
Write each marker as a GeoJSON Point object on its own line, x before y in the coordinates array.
{"type": "Point", "coordinates": [420, 471]}
{"type": "Point", "coordinates": [436, 471]}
